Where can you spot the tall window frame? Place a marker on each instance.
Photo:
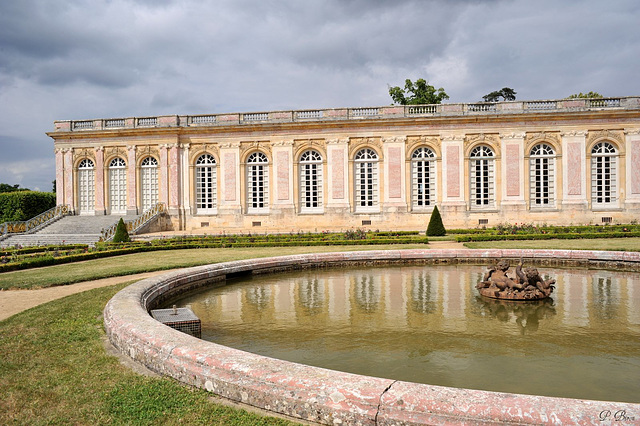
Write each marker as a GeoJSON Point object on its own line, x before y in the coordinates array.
{"type": "Point", "coordinates": [366, 181]}
{"type": "Point", "coordinates": [257, 184]}
{"type": "Point", "coordinates": [542, 176]}
{"type": "Point", "coordinates": [206, 184]}
{"type": "Point", "coordinates": [482, 178]}
{"type": "Point", "coordinates": [86, 186]}
{"type": "Point", "coordinates": [423, 179]}
{"type": "Point", "coordinates": [149, 182]}
{"type": "Point", "coordinates": [310, 182]}
{"type": "Point", "coordinates": [117, 186]}
{"type": "Point", "coordinates": [604, 175]}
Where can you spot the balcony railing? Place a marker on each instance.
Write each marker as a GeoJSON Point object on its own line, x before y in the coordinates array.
{"type": "Point", "coordinates": [389, 112]}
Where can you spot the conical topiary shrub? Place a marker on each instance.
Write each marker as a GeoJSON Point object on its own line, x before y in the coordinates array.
{"type": "Point", "coordinates": [121, 235]}
{"type": "Point", "coordinates": [435, 228]}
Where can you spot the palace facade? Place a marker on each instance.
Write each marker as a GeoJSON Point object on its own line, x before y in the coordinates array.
{"type": "Point", "coordinates": [570, 161]}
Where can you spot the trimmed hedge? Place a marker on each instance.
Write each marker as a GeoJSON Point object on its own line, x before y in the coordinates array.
{"type": "Point", "coordinates": [565, 236]}
{"type": "Point", "coordinates": [24, 205]}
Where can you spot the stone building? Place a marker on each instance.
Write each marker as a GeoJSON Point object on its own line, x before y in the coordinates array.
{"type": "Point", "coordinates": [570, 161]}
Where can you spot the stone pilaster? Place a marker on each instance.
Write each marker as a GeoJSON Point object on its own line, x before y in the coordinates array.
{"type": "Point", "coordinates": [100, 184]}
{"type": "Point", "coordinates": [163, 175]}
{"type": "Point", "coordinates": [283, 174]}
{"type": "Point", "coordinates": [174, 177]}
{"type": "Point", "coordinates": [453, 176]}
{"type": "Point", "coordinates": [59, 176]}
{"type": "Point", "coordinates": [132, 168]}
{"type": "Point", "coordinates": [394, 170]}
{"type": "Point", "coordinates": [338, 173]}
{"type": "Point", "coordinates": [69, 197]}
{"type": "Point", "coordinates": [513, 169]}
{"type": "Point", "coordinates": [632, 172]}
{"type": "Point", "coordinates": [574, 175]}
{"type": "Point", "coordinates": [229, 178]}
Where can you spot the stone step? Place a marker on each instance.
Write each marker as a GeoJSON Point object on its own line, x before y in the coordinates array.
{"type": "Point", "coordinates": [81, 224]}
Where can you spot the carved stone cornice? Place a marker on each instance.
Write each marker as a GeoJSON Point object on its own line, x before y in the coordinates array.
{"type": "Point", "coordinates": [147, 150]}
{"type": "Point", "coordinates": [196, 150]}
{"type": "Point", "coordinates": [230, 145]}
{"type": "Point", "coordinates": [300, 145]}
{"type": "Point", "coordinates": [413, 142]}
{"type": "Point", "coordinates": [394, 139]}
{"type": "Point", "coordinates": [535, 138]}
{"type": "Point", "coordinates": [245, 146]}
{"type": "Point", "coordinates": [282, 143]}
{"type": "Point", "coordinates": [452, 138]}
{"type": "Point", "coordinates": [356, 144]}
{"type": "Point", "coordinates": [615, 135]}
{"type": "Point", "coordinates": [512, 135]}
{"type": "Point", "coordinates": [80, 153]}
{"type": "Point", "coordinates": [632, 131]}
{"type": "Point", "coordinates": [337, 141]}
{"type": "Point", "coordinates": [573, 133]}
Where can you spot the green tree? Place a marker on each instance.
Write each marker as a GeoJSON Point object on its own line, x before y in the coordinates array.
{"type": "Point", "coordinates": [436, 227]}
{"type": "Point", "coordinates": [5, 187]}
{"type": "Point", "coordinates": [121, 235]}
{"type": "Point", "coordinates": [506, 93]}
{"type": "Point", "coordinates": [590, 95]}
{"type": "Point", "coordinates": [418, 93]}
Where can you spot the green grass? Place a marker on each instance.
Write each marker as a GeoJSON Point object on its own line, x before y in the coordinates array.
{"type": "Point", "coordinates": [612, 244]}
{"type": "Point", "coordinates": [69, 273]}
{"type": "Point", "coordinates": [54, 370]}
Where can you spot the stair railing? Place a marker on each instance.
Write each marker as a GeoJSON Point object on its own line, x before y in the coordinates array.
{"type": "Point", "coordinates": [134, 225]}
{"type": "Point", "coordinates": [34, 224]}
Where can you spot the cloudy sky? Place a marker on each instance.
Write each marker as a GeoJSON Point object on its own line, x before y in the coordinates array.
{"type": "Point", "coordinates": [81, 59]}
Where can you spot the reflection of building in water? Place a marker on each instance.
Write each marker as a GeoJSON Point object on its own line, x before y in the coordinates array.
{"type": "Point", "coordinates": [573, 291]}
{"type": "Point", "coordinates": [414, 297]}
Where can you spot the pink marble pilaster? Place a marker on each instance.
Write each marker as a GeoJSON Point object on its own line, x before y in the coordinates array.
{"type": "Point", "coordinates": [337, 173]}
{"type": "Point", "coordinates": [163, 190]}
{"type": "Point", "coordinates": [132, 197]}
{"type": "Point", "coordinates": [100, 181]}
{"type": "Point", "coordinates": [68, 179]}
{"type": "Point", "coordinates": [453, 171]}
{"type": "Point", "coordinates": [635, 167]}
{"type": "Point", "coordinates": [174, 176]}
{"type": "Point", "coordinates": [282, 164]}
{"type": "Point", "coordinates": [59, 177]}
{"type": "Point", "coordinates": [395, 172]}
{"type": "Point", "coordinates": [513, 170]}
{"type": "Point", "coordinates": [230, 169]}
{"type": "Point", "coordinates": [574, 174]}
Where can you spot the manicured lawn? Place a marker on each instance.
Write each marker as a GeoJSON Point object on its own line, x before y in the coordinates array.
{"type": "Point", "coordinates": [615, 244]}
{"type": "Point", "coordinates": [54, 370]}
{"type": "Point", "coordinates": [158, 260]}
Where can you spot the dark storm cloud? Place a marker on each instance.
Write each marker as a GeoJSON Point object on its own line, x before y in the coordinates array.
{"type": "Point", "coordinates": [80, 59]}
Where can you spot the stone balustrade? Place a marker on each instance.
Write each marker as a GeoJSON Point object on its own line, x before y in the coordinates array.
{"type": "Point", "coordinates": [386, 112]}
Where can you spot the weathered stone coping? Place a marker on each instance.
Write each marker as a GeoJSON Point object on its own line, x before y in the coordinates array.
{"type": "Point", "coordinates": [333, 397]}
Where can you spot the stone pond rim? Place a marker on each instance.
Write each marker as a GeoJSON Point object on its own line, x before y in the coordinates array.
{"type": "Point", "coordinates": [327, 396]}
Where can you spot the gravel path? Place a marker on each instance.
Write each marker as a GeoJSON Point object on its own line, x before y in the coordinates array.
{"type": "Point", "coordinates": [15, 301]}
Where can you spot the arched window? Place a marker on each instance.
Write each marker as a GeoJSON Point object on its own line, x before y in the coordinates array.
{"type": "Point", "coordinates": [542, 176]}
{"type": "Point", "coordinates": [257, 183]}
{"type": "Point", "coordinates": [604, 174]}
{"type": "Point", "coordinates": [206, 185]}
{"type": "Point", "coordinates": [86, 186]}
{"type": "Point", "coordinates": [310, 181]}
{"type": "Point", "coordinates": [481, 173]}
{"type": "Point", "coordinates": [118, 186]}
{"type": "Point", "coordinates": [366, 180]}
{"type": "Point", "coordinates": [149, 182]}
{"type": "Point", "coordinates": [423, 178]}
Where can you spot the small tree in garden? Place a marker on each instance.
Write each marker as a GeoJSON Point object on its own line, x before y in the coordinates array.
{"type": "Point", "coordinates": [435, 228]}
{"type": "Point", "coordinates": [121, 235]}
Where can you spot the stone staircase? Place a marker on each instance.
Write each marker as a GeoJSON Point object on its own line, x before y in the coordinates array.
{"type": "Point", "coordinates": [66, 230]}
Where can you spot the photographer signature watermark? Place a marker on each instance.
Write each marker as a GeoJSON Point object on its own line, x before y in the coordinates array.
{"type": "Point", "coordinates": [616, 416]}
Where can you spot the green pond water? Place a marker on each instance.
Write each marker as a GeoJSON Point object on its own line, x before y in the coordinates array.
{"type": "Point", "coordinates": [427, 324]}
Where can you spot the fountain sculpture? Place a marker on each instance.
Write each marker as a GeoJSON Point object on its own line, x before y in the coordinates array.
{"type": "Point", "coordinates": [526, 285]}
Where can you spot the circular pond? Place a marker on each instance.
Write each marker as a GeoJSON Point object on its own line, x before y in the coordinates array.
{"type": "Point", "coordinates": [427, 324]}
